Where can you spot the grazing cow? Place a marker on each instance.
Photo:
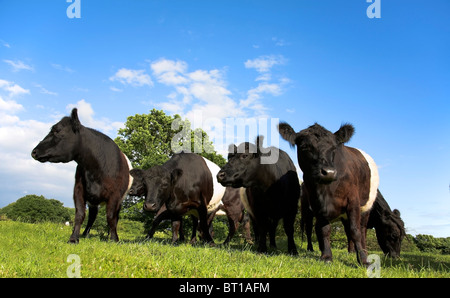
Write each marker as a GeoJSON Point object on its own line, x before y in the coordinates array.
{"type": "Point", "coordinates": [389, 227]}
{"type": "Point", "coordinates": [233, 208]}
{"type": "Point", "coordinates": [272, 189]}
{"type": "Point", "coordinates": [339, 181]}
{"type": "Point", "coordinates": [184, 185]}
{"type": "Point", "coordinates": [102, 174]}
{"type": "Point", "coordinates": [139, 188]}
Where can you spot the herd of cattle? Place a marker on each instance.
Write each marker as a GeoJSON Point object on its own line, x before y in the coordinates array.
{"type": "Point", "coordinates": [339, 183]}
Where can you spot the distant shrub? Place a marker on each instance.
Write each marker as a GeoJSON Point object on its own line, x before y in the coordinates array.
{"type": "Point", "coordinates": [33, 208]}
{"type": "Point", "coordinates": [428, 243]}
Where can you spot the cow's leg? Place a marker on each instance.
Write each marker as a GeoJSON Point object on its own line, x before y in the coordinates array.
{"type": "Point", "coordinates": [80, 207]}
{"type": "Point", "coordinates": [350, 244]}
{"type": "Point", "coordinates": [307, 223]}
{"type": "Point", "coordinates": [194, 229]}
{"type": "Point", "coordinates": [176, 226]}
{"type": "Point", "coordinates": [93, 210]}
{"type": "Point", "coordinates": [263, 228]}
{"type": "Point", "coordinates": [161, 215]}
{"type": "Point", "coordinates": [233, 224]}
{"type": "Point", "coordinates": [323, 230]}
{"type": "Point", "coordinates": [272, 230]}
{"type": "Point", "coordinates": [288, 224]}
{"type": "Point", "coordinates": [112, 217]}
{"type": "Point", "coordinates": [246, 226]}
{"type": "Point", "coordinates": [354, 218]}
{"type": "Point", "coordinates": [202, 213]}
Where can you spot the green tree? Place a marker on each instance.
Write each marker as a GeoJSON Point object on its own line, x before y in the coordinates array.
{"type": "Point", "coordinates": [33, 208]}
{"type": "Point", "coordinates": [151, 139]}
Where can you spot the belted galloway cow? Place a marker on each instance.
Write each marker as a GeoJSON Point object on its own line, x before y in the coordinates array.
{"type": "Point", "coordinates": [183, 185]}
{"type": "Point", "coordinates": [338, 182]}
{"type": "Point", "coordinates": [102, 174]}
{"type": "Point", "coordinates": [272, 189]}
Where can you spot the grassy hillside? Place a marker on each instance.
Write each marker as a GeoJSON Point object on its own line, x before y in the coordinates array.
{"type": "Point", "coordinates": [40, 250]}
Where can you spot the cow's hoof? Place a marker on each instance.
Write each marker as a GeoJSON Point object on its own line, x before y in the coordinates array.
{"type": "Point", "coordinates": [326, 259]}
{"type": "Point", "coordinates": [293, 252]}
{"type": "Point", "coordinates": [73, 241]}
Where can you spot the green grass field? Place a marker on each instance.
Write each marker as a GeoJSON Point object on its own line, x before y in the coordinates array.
{"type": "Point", "coordinates": [40, 250]}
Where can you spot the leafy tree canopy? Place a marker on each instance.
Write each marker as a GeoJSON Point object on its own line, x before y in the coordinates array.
{"type": "Point", "coordinates": [33, 208]}
{"type": "Point", "coordinates": [151, 139]}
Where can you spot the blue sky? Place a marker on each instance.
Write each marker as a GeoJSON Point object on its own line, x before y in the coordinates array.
{"type": "Point", "coordinates": [298, 61]}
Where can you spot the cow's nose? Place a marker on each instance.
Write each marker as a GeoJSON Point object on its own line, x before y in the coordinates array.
{"type": "Point", "coordinates": [34, 153]}
{"type": "Point", "coordinates": [220, 176]}
{"type": "Point", "coordinates": [328, 174]}
{"type": "Point", "coordinates": [149, 206]}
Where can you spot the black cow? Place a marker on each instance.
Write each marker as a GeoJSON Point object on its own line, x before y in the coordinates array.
{"type": "Point", "coordinates": [389, 227]}
{"type": "Point", "coordinates": [184, 185]}
{"type": "Point", "coordinates": [102, 174]}
{"type": "Point", "coordinates": [234, 210]}
{"type": "Point", "coordinates": [139, 189]}
{"type": "Point", "coordinates": [272, 189]}
{"type": "Point", "coordinates": [339, 181]}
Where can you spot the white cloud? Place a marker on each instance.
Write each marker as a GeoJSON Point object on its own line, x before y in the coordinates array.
{"type": "Point", "coordinates": [265, 63]}
{"type": "Point", "coordinates": [203, 90]}
{"type": "Point", "coordinates": [86, 115]}
{"type": "Point", "coordinates": [62, 68]}
{"type": "Point", "coordinates": [170, 72]}
{"type": "Point", "coordinates": [44, 90]}
{"type": "Point", "coordinates": [133, 77]}
{"type": "Point", "coordinates": [18, 65]}
{"type": "Point", "coordinates": [115, 89]}
{"type": "Point", "coordinates": [9, 106]}
{"type": "Point", "coordinates": [12, 88]}
{"type": "Point", "coordinates": [19, 172]}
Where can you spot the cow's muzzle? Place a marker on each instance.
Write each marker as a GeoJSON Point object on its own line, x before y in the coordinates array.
{"type": "Point", "coordinates": [150, 207]}
{"type": "Point", "coordinates": [327, 175]}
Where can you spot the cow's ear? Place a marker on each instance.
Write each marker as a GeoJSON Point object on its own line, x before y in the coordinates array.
{"type": "Point", "coordinates": [75, 121]}
{"type": "Point", "coordinates": [136, 173]}
{"type": "Point", "coordinates": [344, 134]}
{"type": "Point", "coordinates": [259, 143]}
{"type": "Point", "coordinates": [287, 133]}
{"type": "Point", "coordinates": [176, 173]}
{"type": "Point", "coordinates": [232, 149]}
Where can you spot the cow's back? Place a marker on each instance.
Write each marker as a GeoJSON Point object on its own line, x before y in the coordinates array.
{"type": "Point", "coordinates": [196, 176]}
{"type": "Point", "coordinates": [363, 170]}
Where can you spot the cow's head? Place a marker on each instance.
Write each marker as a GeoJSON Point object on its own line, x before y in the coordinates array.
{"type": "Point", "coordinates": [62, 142]}
{"type": "Point", "coordinates": [159, 183]}
{"type": "Point", "coordinates": [138, 187]}
{"type": "Point", "coordinates": [242, 166]}
{"type": "Point", "coordinates": [317, 148]}
{"type": "Point", "coordinates": [390, 233]}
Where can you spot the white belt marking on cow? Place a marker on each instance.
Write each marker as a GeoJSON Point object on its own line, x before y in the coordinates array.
{"type": "Point", "coordinates": [218, 189]}
{"type": "Point", "coordinates": [374, 182]}
{"type": "Point", "coordinates": [130, 179]}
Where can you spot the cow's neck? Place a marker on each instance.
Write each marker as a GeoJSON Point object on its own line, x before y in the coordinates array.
{"type": "Point", "coordinates": [91, 156]}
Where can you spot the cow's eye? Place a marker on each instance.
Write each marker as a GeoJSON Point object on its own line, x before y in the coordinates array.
{"type": "Point", "coordinates": [244, 156]}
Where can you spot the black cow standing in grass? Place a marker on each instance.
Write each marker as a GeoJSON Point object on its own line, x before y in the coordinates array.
{"type": "Point", "coordinates": [102, 174]}
{"type": "Point", "coordinates": [183, 185]}
{"type": "Point", "coordinates": [388, 225]}
{"type": "Point", "coordinates": [233, 207]}
{"type": "Point", "coordinates": [339, 182]}
{"type": "Point", "coordinates": [272, 188]}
